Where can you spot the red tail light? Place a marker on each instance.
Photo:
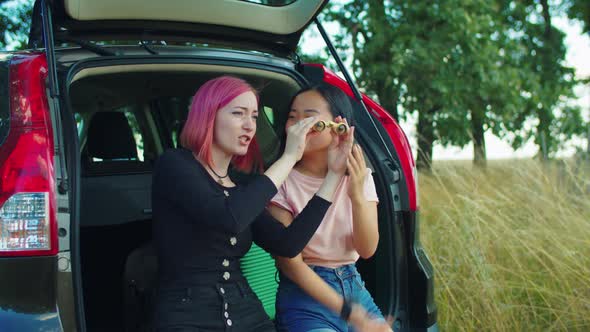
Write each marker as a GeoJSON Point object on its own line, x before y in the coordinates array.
{"type": "Point", "coordinates": [28, 225]}
{"type": "Point", "coordinates": [398, 137]}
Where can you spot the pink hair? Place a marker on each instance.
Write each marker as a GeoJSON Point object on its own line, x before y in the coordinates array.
{"type": "Point", "coordinates": [197, 133]}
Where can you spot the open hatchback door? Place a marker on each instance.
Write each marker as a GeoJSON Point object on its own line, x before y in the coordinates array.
{"type": "Point", "coordinates": [276, 25]}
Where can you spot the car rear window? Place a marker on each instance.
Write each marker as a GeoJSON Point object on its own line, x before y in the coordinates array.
{"type": "Point", "coordinates": [105, 143]}
{"type": "Point", "coordinates": [4, 101]}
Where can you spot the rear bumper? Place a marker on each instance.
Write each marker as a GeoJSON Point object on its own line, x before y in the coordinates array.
{"type": "Point", "coordinates": [28, 299]}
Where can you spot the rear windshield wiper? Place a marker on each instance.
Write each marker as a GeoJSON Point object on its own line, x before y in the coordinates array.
{"type": "Point", "coordinates": [89, 46]}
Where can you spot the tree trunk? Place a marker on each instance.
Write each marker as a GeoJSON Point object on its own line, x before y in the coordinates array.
{"type": "Point", "coordinates": [479, 143]}
{"type": "Point", "coordinates": [378, 24]}
{"type": "Point", "coordinates": [425, 134]}
{"type": "Point", "coordinates": [545, 113]}
{"type": "Point", "coordinates": [544, 139]}
{"type": "Point", "coordinates": [388, 100]}
{"type": "Point", "coordinates": [546, 18]}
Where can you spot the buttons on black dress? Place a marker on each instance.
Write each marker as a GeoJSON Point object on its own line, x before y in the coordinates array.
{"type": "Point", "coordinates": [226, 276]}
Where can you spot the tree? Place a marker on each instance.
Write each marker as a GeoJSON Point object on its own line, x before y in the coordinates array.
{"type": "Point", "coordinates": [443, 61]}
{"type": "Point", "coordinates": [546, 115]}
{"type": "Point", "coordinates": [580, 10]}
{"type": "Point", "coordinates": [463, 67]}
{"type": "Point", "coordinates": [15, 18]}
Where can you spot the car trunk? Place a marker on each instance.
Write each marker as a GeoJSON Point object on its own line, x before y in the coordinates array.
{"type": "Point", "coordinates": [126, 115]}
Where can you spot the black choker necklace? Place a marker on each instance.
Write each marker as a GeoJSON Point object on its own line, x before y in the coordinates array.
{"type": "Point", "coordinates": [220, 178]}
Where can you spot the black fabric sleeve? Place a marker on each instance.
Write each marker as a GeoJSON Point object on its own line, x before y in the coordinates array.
{"type": "Point", "coordinates": [178, 180]}
{"type": "Point", "coordinates": [277, 239]}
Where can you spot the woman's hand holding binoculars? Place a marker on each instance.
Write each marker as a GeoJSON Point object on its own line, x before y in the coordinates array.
{"type": "Point", "coordinates": [339, 128]}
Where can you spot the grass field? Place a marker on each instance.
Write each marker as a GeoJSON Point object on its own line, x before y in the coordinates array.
{"type": "Point", "coordinates": [510, 245]}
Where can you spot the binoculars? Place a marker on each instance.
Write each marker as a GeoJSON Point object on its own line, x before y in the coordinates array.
{"type": "Point", "coordinates": [338, 128]}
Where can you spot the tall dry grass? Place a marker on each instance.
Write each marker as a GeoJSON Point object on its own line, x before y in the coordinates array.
{"type": "Point", "coordinates": [510, 245]}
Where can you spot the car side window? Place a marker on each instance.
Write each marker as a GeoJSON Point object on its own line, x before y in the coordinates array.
{"type": "Point", "coordinates": [270, 115]}
{"type": "Point", "coordinates": [137, 135]}
{"type": "Point", "coordinates": [84, 121]}
{"type": "Point", "coordinates": [115, 141]}
{"type": "Point", "coordinates": [170, 115]}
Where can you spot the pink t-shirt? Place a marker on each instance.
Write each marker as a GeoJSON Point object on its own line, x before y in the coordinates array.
{"type": "Point", "coordinates": [331, 245]}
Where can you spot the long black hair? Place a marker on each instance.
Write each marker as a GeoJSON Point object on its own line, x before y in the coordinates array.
{"type": "Point", "coordinates": [338, 102]}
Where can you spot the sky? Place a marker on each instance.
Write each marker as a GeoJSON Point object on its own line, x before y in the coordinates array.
{"type": "Point", "coordinates": [578, 57]}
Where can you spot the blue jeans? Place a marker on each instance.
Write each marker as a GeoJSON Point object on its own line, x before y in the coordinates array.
{"type": "Point", "coordinates": [296, 311]}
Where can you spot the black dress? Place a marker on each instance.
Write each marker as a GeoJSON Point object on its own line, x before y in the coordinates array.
{"type": "Point", "coordinates": [201, 230]}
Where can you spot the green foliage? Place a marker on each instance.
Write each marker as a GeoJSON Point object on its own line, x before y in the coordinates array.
{"type": "Point", "coordinates": [580, 10]}
{"type": "Point", "coordinates": [464, 67]}
{"type": "Point", "coordinates": [546, 88]}
{"type": "Point", "coordinates": [15, 17]}
{"type": "Point", "coordinates": [312, 58]}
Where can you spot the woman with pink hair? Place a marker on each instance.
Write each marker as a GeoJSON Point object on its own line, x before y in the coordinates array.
{"type": "Point", "coordinates": [204, 221]}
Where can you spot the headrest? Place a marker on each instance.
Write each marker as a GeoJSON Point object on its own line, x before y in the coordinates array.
{"type": "Point", "coordinates": [110, 137]}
